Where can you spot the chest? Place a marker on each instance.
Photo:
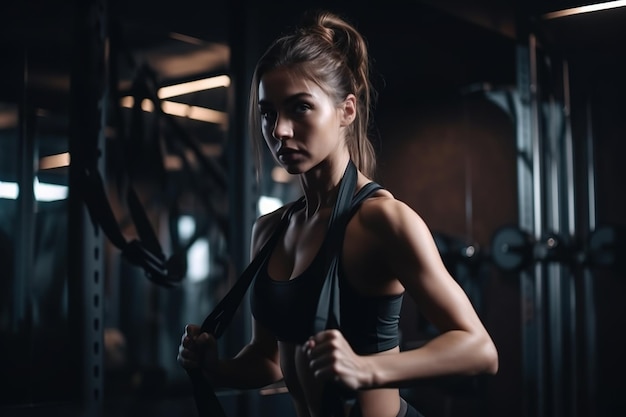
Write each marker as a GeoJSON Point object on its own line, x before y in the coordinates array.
{"type": "Point", "coordinates": [306, 243]}
{"type": "Point", "coordinates": [299, 247]}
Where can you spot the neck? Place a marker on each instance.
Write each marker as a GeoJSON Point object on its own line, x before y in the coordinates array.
{"type": "Point", "coordinates": [321, 185]}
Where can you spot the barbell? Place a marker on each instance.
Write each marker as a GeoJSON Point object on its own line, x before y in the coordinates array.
{"type": "Point", "coordinates": [513, 249]}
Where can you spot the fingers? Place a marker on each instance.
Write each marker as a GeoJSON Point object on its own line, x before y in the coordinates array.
{"type": "Point", "coordinates": [324, 341]}
{"type": "Point", "coordinates": [191, 330]}
{"type": "Point", "coordinates": [325, 351]}
{"type": "Point", "coordinates": [331, 358]}
{"type": "Point", "coordinates": [193, 346]}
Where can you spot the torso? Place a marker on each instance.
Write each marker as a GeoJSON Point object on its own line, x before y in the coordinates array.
{"type": "Point", "coordinates": [362, 269]}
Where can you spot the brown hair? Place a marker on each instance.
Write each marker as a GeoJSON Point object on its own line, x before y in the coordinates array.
{"type": "Point", "coordinates": [331, 52]}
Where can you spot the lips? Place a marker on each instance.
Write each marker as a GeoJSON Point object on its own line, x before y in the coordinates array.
{"type": "Point", "coordinates": [287, 154]}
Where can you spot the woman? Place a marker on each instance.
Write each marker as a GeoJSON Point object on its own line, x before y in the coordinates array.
{"type": "Point", "coordinates": [310, 100]}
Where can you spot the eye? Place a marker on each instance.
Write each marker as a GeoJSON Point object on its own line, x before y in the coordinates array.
{"type": "Point", "coordinates": [301, 108]}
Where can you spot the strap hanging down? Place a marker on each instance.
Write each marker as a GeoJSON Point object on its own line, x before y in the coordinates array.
{"type": "Point", "coordinates": [145, 252]}
{"type": "Point", "coordinates": [206, 400]}
{"type": "Point", "coordinates": [328, 314]}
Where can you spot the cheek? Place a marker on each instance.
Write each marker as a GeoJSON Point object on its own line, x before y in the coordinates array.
{"type": "Point", "coordinates": [267, 133]}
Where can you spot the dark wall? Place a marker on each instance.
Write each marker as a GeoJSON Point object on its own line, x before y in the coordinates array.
{"type": "Point", "coordinates": [453, 161]}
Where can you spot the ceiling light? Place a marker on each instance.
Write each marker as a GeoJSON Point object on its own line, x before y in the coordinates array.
{"type": "Point", "coordinates": [194, 86]}
{"type": "Point", "coordinates": [194, 112]}
{"type": "Point", "coordinates": [585, 9]}
{"type": "Point", "coordinates": [55, 161]}
{"type": "Point", "coordinates": [186, 38]}
{"type": "Point", "coordinates": [180, 109]}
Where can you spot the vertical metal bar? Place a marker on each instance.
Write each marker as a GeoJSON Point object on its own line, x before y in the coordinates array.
{"type": "Point", "coordinates": [529, 208]}
{"type": "Point", "coordinates": [569, 152]}
{"type": "Point", "coordinates": [553, 160]}
{"type": "Point", "coordinates": [589, 308]}
{"type": "Point", "coordinates": [570, 206]}
{"type": "Point", "coordinates": [537, 149]}
{"type": "Point", "coordinates": [242, 188]}
{"type": "Point", "coordinates": [87, 126]}
{"type": "Point", "coordinates": [26, 211]}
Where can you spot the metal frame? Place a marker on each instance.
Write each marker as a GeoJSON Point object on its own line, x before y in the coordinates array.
{"type": "Point", "coordinates": [86, 264]}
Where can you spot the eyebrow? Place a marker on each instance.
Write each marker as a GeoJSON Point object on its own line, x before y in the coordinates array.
{"type": "Point", "coordinates": [288, 100]}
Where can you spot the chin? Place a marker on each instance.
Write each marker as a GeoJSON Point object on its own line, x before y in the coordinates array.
{"type": "Point", "coordinates": [294, 169]}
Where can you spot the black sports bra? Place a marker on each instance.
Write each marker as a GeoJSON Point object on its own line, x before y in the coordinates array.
{"type": "Point", "coordinates": [288, 308]}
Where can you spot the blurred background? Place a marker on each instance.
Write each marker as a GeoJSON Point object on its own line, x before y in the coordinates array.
{"type": "Point", "coordinates": [128, 190]}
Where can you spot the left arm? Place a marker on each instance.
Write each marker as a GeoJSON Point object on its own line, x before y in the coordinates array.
{"type": "Point", "coordinates": [463, 346]}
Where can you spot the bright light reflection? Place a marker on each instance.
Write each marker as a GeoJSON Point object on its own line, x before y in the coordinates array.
{"type": "Point", "coordinates": [49, 192]}
{"type": "Point", "coordinates": [186, 227]}
{"type": "Point", "coordinates": [268, 204]}
{"type": "Point", "coordinates": [9, 190]}
{"type": "Point", "coordinates": [43, 191]}
{"type": "Point", "coordinates": [198, 260]}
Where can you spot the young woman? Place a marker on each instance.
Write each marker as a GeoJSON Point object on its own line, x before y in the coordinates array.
{"type": "Point", "coordinates": [310, 102]}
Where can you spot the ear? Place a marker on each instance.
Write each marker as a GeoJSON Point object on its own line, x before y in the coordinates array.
{"type": "Point", "coordinates": [348, 110]}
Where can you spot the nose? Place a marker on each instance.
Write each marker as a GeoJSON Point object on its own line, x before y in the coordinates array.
{"type": "Point", "coordinates": [283, 129]}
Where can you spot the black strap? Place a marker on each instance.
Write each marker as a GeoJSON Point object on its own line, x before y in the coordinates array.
{"type": "Point", "coordinates": [215, 323]}
{"type": "Point", "coordinates": [328, 314]}
{"type": "Point", "coordinates": [145, 252]}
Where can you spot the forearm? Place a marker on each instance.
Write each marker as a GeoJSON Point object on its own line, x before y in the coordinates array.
{"type": "Point", "coordinates": [453, 353]}
{"type": "Point", "coordinates": [249, 369]}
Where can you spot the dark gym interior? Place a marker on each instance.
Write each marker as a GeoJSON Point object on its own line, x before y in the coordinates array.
{"type": "Point", "coordinates": [502, 123]}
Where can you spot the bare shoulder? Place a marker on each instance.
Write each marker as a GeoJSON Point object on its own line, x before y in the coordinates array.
{"type": "Point", "coordinates": [384, 214]}
{"type": "Point", "coordinates": [265, 225]}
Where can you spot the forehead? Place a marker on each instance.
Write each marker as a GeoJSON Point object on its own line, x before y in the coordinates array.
{"type": "Point", "coordinates": [282, 83]}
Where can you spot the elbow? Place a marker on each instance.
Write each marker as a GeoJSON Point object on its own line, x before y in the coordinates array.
{"type": "Point", "coordinates": [484, 356]}
{"type": "Point", "coordinates": [489, 355]}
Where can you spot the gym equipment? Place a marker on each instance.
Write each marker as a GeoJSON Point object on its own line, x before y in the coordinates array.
{"type": "Point", "coordinates": [607, 247]}
{"type": "Point", "coordinates": [513, 249]}
{"type": "Point", "coordinates": [454, 250]}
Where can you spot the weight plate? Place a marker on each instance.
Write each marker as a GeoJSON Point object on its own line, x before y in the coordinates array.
{"type": "Point", "coordinates": [606, 246]}
{"type": "Point", "coordinates": [511, 248]}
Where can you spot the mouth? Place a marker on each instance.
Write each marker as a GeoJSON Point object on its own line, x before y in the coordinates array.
{"type": "Point", "coordinates": [287, 154]}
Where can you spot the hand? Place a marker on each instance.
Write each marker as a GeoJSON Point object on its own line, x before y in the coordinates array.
{"type": "Point", "coordinates": [198, 350]}
{"type": "Point", "coordinates": [332, 359]}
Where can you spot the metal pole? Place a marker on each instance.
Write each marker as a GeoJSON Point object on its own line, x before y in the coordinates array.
{"type": "Point", "coordinates": [589, 308]}
{"type": "Point", "coordinates": [570, 207]}
{"type": "Point", "coordinates": [86, 261]}
{"type": "Point", "coordinates": [555, 160]}
{"type": "Point", "coordinates": [242, 188]}
{"type": "Point", "coordinates": [22, 320]}
{"type": "Point", "coordinates": [529, 196]}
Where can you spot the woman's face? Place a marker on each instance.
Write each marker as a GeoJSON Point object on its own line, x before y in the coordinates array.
{"type": "Point", "coordinates": [301, 124]}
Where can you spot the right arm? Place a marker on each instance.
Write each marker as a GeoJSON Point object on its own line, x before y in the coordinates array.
{"type": "Point", "coordinates": [258, 363]}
